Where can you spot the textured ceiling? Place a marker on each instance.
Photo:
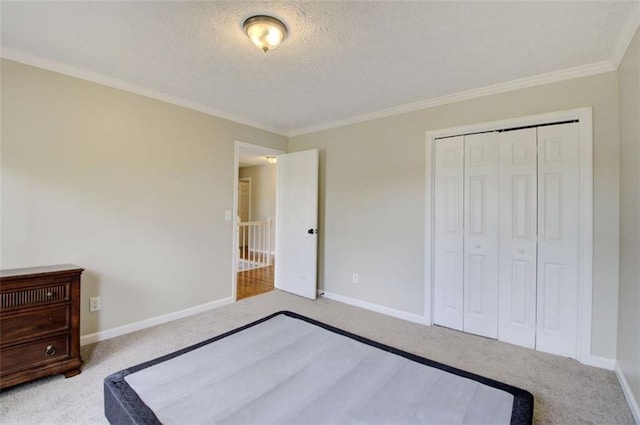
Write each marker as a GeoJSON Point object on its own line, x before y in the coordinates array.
{"type": "Point", "coordinates": [341, 59]}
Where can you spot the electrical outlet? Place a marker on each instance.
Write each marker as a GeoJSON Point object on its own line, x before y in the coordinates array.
{"type": "Point", "coordinates": [355, 278]}
{"type": "Point", "coordinates": [95, 304]}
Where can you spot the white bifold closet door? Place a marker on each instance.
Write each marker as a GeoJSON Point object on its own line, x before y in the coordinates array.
{"type": "Point", "coordinates": [507, 236]}
{"type": "Point", "coordinates": [449, 232]}
{"type": "Point", "coordinates": [466, 233]}
{"type": "Point", "coordinates": [481, 176]}
{"type": "Point", "coordinates": [558, 238]}
{"type": "Point", "coordinates": [518, 236]}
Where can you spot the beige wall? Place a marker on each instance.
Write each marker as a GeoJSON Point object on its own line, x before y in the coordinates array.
{"type": "Point", "coordinates": [263, 193]}
{"type": "Point", "coordinates": [372, 194]}
{"type": "Point", "coordinates": [629, 305]}
{"type": "Point", "coordinates": [135, 190]}
{"type": "Point", "coordinates": [132, 189]}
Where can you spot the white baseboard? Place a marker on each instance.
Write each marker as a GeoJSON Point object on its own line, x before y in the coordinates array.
{"type": "Point", "coordinates": [633, 403]}
{"type": "Point", "coordinates": [147, 323]}
{"type": "Point", "coordinates": [601, 362]}
{"type": "Point", "coordinates": [375, 307]}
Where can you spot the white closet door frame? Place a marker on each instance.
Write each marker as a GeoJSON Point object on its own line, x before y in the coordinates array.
{"type": "Point", "coordinates": [585, 118]}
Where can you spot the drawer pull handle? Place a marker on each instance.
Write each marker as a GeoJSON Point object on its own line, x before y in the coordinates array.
{"type": "Point", "coordinates": [50, 350]}
{"type": "Point", "coordinates": [49, 294]}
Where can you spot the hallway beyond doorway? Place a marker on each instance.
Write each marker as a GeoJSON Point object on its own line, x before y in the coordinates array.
{"type": "Point", "coordinates": [255, 282]}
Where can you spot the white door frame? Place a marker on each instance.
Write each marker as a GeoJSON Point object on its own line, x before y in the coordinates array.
{"type": "Point", "coordinates": [585, 118]}
{"type": "Point", "coordinates": [234, 213]}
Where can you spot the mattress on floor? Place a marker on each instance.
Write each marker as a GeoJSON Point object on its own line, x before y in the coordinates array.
{"type": "Point", "coordinates": [289, 369]}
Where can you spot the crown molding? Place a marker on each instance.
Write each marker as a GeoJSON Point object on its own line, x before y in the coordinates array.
{"type": "Point", "coordinates": [105, 80]}
{"type": "Point", "coordinates": [627, 32]}
{"type": "Point", "coordinates": [536, 80]}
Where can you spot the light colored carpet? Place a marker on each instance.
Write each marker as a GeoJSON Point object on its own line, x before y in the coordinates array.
{"type": "Point", "coordinates": [565, 391]}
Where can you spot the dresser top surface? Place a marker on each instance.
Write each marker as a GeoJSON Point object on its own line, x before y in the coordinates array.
{"type": "Point", "coordinates": [38, 271]}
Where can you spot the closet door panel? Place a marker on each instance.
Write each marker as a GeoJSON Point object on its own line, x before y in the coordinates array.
{"type": "Point", "coordinates": [518, 237]}
{"type": "Point", "coordinates": [481, 234]}
{"type": "Point", "coordinates": [558, 238]}
{"type": "Point", "coordinates": [449, 236]}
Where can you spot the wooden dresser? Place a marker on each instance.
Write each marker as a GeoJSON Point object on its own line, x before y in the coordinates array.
{"type": "Point", "coordinates": [39, 323]}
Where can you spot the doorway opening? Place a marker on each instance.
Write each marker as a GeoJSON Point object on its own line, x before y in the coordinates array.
{"type": "Point", "coordinates": [254, 220]}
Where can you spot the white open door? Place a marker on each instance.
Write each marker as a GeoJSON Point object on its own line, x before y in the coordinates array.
{"type": "Point", "coordinates": [297, 223]}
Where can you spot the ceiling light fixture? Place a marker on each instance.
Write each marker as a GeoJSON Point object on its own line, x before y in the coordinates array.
{"type": "Point", "coordinates": [272, 159]}
{"type": "Point", "coordinates": [266, 32]}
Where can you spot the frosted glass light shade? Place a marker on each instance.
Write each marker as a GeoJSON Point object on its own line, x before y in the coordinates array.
{"type": "Point", "coordinates": [265, 32]}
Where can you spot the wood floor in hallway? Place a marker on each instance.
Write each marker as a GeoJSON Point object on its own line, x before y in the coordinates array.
{"type": "Point", "coordinates": [255, 282]}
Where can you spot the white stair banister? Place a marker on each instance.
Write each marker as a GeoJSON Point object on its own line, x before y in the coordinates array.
{"type": "Point", "coordinates": [254, 242]}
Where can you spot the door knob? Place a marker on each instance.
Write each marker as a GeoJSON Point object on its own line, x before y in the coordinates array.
{"type": "Point", "coordinates": [312, 231]}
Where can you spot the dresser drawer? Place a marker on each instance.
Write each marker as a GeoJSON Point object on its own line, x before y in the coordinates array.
{"type": "Point", "coordinates": [39, 323]}
{"type": "Point", "coordinates": [34, 296]}
{"type": "Point", "coordinates": [29, 354]}
{"type": "Point", "coordinates": [34, 323]}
